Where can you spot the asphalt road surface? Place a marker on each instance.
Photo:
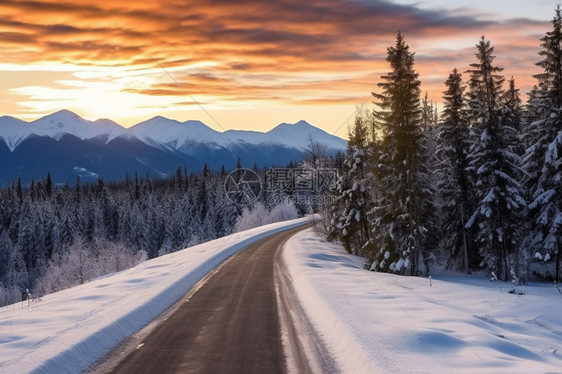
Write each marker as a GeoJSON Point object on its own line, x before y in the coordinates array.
{"type": "Point", "coordinates": [231, 324]}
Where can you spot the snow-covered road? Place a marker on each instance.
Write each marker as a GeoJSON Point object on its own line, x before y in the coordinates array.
{"type": "Point", "coordinates": [68, 331]}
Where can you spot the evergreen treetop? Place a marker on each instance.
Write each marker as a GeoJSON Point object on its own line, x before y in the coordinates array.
{"type": "Point", "coordinates": [550, 80]}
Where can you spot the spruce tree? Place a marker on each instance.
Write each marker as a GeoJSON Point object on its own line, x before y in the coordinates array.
{"type": "Point", "coordinates": [550, 80]}
{"type": "Point", "coordinates": [428, 112]}
{"type": "Point", "coordinates": [512, 100]}
{"type": "Point", "coordinates": [485, 85]}
{"type": "Point", "coordinates": [494, 167]}
{"type": "Point", "coordinates": [426, 177]}
{"type": "Point", "coordinates": [6, 258]}
{"type": "Point", "coordinates": [453, 184]}
{"type": "Point", "coordinates": [49, 186]}
{"type": "Point", "coordinates": [349, 215]}
{"type": "Point", "coordinates": [543, 159]}
{"type": "Point", "coordinates": [534, 138]}
{"type": "Point", "coordinates": [546, 204]}
{"type": "Point", "coordinates": [19, 191]}
{"type": "Point", "coordinates": [13, 274]}
{"type": "Point", "coordinates": [397, 211]}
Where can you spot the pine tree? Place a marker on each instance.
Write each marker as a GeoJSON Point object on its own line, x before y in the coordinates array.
{"type": "Point", "coordinates": [19, 191]}
{"type": "Point", "coordinates": [512, 100]}
{"type": "Point", "coordinates": [6, 257]}
{"type": "Point", "coordinates": [546, 203]}
{"type": "Point", "coordinates": [13, 275]}
{"type": "Point", "coordinates": [202, 195]}
{"type": "Point", "coordinates": [49, 186]}
{"type": "Point", "coordinates": [32, 190]}
{"type": "Point", "coordinates": [494, 166]}
{"type": "Point", "coordinates": [550, 80]}
{"type": "Point", "coordinates": [349, 215]}
{"type": "Point", "coordinates": [534, 138]}
{"type": "Point", "coordinates": [543, 158]}
{"type": "Point", "coordinates": [485, 85]}
{"type": "Point", "coordinates": [428, 112]}
{"type": "Point", "coordinates": [77, 191]}
{"type": "Point", "coordinates": [428, 164]}
{"type": "Point", "coordinates": [67, 231]}
{"type": "Point", "coordinates": [453, 185]}
{"type": "Point", "coordinates": [397, 211]}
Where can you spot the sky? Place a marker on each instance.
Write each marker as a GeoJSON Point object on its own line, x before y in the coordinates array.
{"type": "Point", "coordinates": [248, 64]}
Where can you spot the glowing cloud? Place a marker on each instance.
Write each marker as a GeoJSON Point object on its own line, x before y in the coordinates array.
{"type": "Point", "coordinates": [129, 60]}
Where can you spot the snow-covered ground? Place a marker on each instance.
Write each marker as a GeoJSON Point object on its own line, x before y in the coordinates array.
{"type": "Point", "coordinates": [383, 323]}
{"type": "Point", "coordinates": [371, 322]}
{"type": "Point", "coordinates": [67, 331]}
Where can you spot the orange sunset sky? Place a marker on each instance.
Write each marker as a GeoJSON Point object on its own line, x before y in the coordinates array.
{"type": "Point", "coordinates": [251, 64]}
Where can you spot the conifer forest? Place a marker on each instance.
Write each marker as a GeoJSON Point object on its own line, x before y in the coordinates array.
{"type": "Point", "coordinates": [477, 187]}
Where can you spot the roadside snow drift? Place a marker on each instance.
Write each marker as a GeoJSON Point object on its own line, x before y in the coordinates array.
{"type": "Point", "coordinates": [383, 323]}
{"type": "Point", "coordinates": [66, 332]}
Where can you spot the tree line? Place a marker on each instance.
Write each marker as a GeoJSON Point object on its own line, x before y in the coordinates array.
{"type": "Point", "coordinates": [478, 187]}
{"type": "Point", "coordinates": [54, 237]}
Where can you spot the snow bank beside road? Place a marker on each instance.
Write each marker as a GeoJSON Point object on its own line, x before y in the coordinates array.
{"type": "Point", "coordinates": [68, 331]}
{"type": "Point", "coordinates": [375, 322]}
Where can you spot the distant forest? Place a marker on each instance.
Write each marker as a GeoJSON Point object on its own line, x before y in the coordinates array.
{"type": "Point", "coordinates": [48, 232]}
{"type": "Point", "coordinates": [54, 237]}
{"type": "Point", "coordinates": [477, 187]}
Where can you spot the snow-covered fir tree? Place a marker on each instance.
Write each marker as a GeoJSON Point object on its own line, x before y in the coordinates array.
{"type": "Point", "coordinates": [550, 80]}
{"type": "Point", "coordinates": [543, 158]}
{"type": "Point", "coordinates": [429, 163]}
{"type": "Point", "coordinates": [545, 237]}
{"type": "Point", "coordinates": [512, 100]}
{"type": "Point", "coordinates": [495, 169]}
{"type": "Point", "coordinates": [453, 185]}
{"type": "Point", "coordinates": [13, 272]}
{"type": "Point", "coordinates": [428, 110]}
{"type": "Point", "coordinates": [349, 214]}
{"type": "Point", "coordinates": [397, 209]}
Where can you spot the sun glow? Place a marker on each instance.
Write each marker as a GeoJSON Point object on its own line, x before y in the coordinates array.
{"type": "Point", "coordinates": [132, 61]}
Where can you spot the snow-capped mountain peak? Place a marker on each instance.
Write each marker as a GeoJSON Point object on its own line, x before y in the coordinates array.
{"type": "Point", "coordinates": [66, 122]}
{"type": "Point", "coordinates": [300, 134]}
{"type": "Point", "coordinates": [55, 125]}
{"type": "Point", "coordinates": [12, 131]}
{"type": "Point", "coordinates": [174, 133]}
{"type": "Point", "coordinates": [164, 132]}
{"type": "Point", "coordinates": [156, 146]}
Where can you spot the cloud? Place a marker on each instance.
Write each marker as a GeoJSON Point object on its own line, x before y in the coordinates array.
{"type": "Point", "coordinates": [315, 51]}
{"type": "Point", "coordinates": [330, 30]}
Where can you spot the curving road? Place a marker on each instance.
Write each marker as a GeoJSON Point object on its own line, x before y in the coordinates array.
{"type": "Point", "coordinates": [231, 324]}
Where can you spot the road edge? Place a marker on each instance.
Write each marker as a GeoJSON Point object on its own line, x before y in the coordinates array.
{"type": "Point", "coordinates": [305, 349]}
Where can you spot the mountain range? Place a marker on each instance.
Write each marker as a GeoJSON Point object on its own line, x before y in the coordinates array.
{"type": "Point", "coordinates": [67, 146]}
